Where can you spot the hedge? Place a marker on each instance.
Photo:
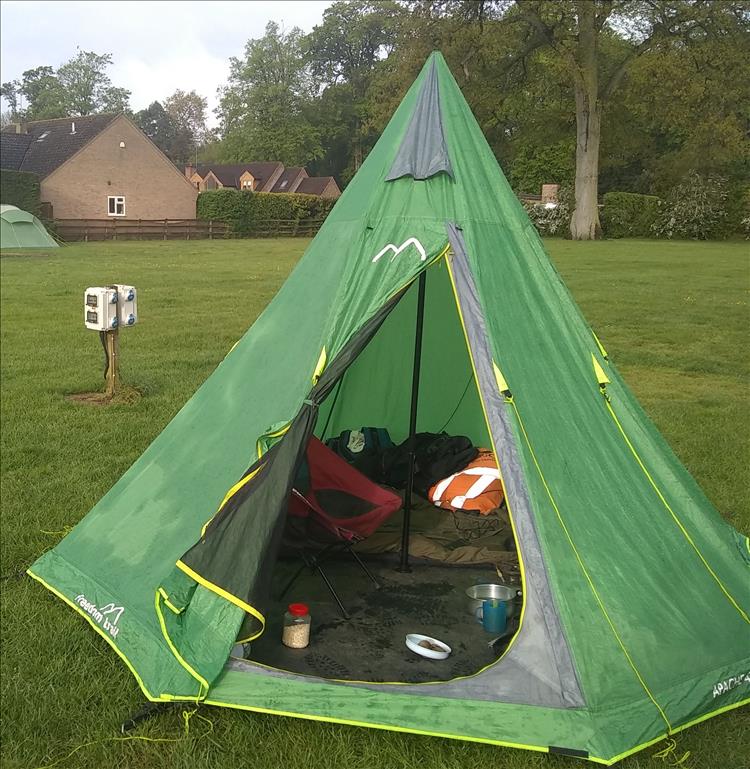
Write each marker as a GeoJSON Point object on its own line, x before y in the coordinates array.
{"type": "Point", "coordinates": [629, 215]}
{"type": "Point", "coordinates": [20, 189]}
{"type": "Point", "coordinates": [244, 210]}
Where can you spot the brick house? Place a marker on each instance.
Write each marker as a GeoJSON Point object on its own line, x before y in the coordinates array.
{"type": "Point", "coordinates": [98, 167]}
{"type": "Point", "coordinates": [258, 177]}
{"type": "Point", "coordinates": [261, 177]}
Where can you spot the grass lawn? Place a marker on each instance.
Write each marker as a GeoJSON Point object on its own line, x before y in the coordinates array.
{"type": "Point", "coordinates": [674, 317]}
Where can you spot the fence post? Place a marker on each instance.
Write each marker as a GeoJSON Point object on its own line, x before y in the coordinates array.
{"type": "Point", "coordinates": [210, 229]}
{"type": "Point", "coordinates": [114, 229]}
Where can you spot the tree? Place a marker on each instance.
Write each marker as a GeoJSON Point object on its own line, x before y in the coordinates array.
{"type": "Point", "coordinates": [343, 51]}
{"type": "Point", "coordinates": [44, 95]}
{"type": "Point", "coordinates": [11, 92]}
{"type": "Point", "coordinates": [87, 87]}
{"type": "Point", "coordinates": [187, 114]}
{"type": "Point", "coordinates": [577, 31]}
{"type": "Point", "coordinates": [262, 108]}
{"type": "Point", "coordinates": [81, 86]}
{"type": "Point", "coordinates": [157, 125]}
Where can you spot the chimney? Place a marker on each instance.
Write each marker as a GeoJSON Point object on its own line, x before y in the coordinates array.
{"type": "Point", "coordinates": [189, 171]}
{"type": "Point", "coordinates": [20, 128]}
{"type": "Point", "coordinates": [72, 127]}
{"type": "Point", "coordinates": [549, 193]}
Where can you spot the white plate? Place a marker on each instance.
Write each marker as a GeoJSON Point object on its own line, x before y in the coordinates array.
{"type": "Point", "coordinates": [413, 639]}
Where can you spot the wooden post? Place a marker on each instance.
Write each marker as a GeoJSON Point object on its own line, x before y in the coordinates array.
{"type": "Point", "coordinates": [113, 362]}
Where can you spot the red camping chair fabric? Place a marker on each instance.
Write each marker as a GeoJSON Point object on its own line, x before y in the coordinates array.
{"type": "Point", "coordinates": [334, 506]}
{"type": "Point", "coordinates": [337, 500]}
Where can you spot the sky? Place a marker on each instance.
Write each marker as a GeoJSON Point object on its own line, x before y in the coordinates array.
{"type": "Point", "coordinates": [157, 47]}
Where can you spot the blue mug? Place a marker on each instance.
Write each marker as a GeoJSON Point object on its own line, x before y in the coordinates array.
{"type": "Point", "coordinates": [493, 615]}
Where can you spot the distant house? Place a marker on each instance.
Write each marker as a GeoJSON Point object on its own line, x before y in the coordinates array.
{"type": "Point", "coordinates": [98, 167]}
{"type": "Point", "coordinates": [324, 186]}
{"type": "Point", "coordinates": [290, 179]}
{"type": "Point", "coordinates": [261, 177]}
{"type": "Point", "coordinates": [258, 177]}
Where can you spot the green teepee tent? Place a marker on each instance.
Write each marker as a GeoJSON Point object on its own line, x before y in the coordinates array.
{"type": "Point", "coordinates": [20, 229]}
{"type": "Point", "coordinates": [636, 592]}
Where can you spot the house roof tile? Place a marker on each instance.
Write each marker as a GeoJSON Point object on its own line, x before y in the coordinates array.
{"type": "Point", "coordinates": [52, 142]}
{"type": "Point", "coordinates": [12, 150]}
{"type": "Point", "coordinates": [315, 185]}
{"type": "Point", "coordinates": [290, 179]}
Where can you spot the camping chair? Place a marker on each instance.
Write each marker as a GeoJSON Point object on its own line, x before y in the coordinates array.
{"type": "Point", "coordinates": [332, 507]}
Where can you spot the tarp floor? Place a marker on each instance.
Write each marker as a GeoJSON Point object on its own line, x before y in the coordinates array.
{"type": "Point", "coordinates": [370, 646]}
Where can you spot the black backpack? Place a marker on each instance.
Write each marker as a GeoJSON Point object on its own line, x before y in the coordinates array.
{"type": "Point", "coordinates": [437, 455]}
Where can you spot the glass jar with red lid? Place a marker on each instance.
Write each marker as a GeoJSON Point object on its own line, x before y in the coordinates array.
{"type": "Point", "coordinates": [296, 633]}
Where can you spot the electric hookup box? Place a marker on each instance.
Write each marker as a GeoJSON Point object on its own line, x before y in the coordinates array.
{"type": "Point", "coordinates": [100, 308]}
{"type": "Point", "coordinates": [106, 308]}
{"type": "Point", "coordinates": [127, 305]}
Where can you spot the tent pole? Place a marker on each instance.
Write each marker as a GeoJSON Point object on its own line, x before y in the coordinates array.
{"type": "Point", "coordinates": [404, 565]}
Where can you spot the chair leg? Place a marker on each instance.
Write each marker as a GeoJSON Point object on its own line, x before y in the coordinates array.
{"type": "Point", "coordinates": [364, 567]}
{"type": "Point", "coordinates": [289, 584]}
{"type": "Point", "coordinates": [336, 598]}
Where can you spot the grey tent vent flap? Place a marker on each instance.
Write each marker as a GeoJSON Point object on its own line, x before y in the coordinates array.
{"type": "Point", "coordinates": [423, 152]}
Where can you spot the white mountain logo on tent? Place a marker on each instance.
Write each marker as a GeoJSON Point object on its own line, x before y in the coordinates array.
{"type": "Point", "coordinates": [103, 616]}
{"type": "Point", "coordinates": [398, 249]}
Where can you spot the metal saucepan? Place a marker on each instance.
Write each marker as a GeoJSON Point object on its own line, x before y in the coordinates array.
{"type": "Point", "coordinates": [479, 593]}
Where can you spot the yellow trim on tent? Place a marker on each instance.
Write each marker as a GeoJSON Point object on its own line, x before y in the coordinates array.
{"type": "Point", "coordinates": [502, 385]}
{"type": "Point", "coordinates": [600, 345]}
{"type": "Point", "coordinates": [485, 741]}
{"type": "Point", "coordinates": [674, 515]}
{"type": "Point", "coordinates": [226, 596]}
{"type": "Point", "coordinates": [601, 377]}
{"type": "Point", "coordinates": [193, 672]}
{"type": "Point", "coordinates": [370, 725]}
{"type": "Point", "coordinates": [320, 366]}
{"type": "Point", "coordinates": [274, 434]}
{"type": "Point", "coordinates": [237, 486]}
{"type": "Point", "coordinates": [168, 603]}
{"type": "Point", "coordinates": [521, 565]}
{"type": "Point", "coordinates": [585, 570]}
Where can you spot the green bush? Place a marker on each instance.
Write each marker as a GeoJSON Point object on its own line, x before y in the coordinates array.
{"type": "Point", "coordinates": [744, 226]}
{"type": "Point", "coordinates": [21, 190]}
{"type": "Point", "coordinates": [629, 215]}
{"type": "Point", "coordinates": [697, 209]}
{"type": "Point", "coordinates": [246, 210]}
{"type": "Point", "coordinates": [533, 166]}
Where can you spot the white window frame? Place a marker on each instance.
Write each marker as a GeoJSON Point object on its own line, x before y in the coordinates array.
{"type": "Point", "coordinates": [118, 199]}
{"type": "Point", "coordinates": [248, 184]}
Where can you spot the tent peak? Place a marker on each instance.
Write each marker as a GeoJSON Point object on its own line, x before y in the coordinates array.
{"type": "Point", "coordinates": [423, 151]}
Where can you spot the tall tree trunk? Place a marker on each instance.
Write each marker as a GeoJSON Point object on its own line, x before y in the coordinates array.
{"type": "Point", "coordinates": [585, 222]}
{"type": "Point", "coordinates": [357, 149]}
